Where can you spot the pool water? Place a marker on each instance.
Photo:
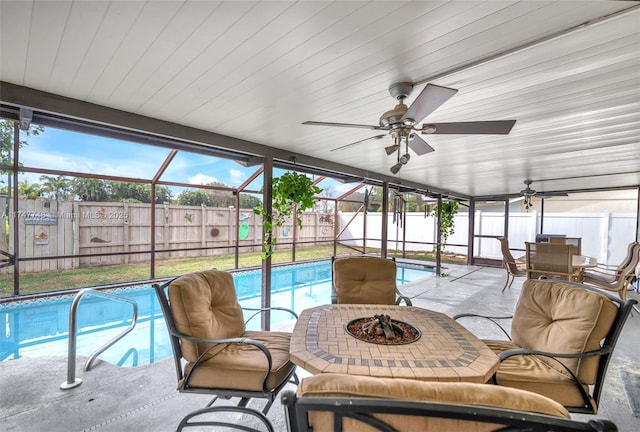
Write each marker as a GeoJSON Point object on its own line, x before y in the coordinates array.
{"type": "Point", "coordinates": [40, 327]}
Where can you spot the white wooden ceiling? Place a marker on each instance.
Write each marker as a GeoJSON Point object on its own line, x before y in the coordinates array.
{"type": "Point", "coordinates": [257, 70]}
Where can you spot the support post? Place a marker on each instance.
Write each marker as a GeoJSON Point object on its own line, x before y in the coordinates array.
{"type": "Point", "coordinates": [267, 177]}
{"type": "Point", "coordinates": [385, 219]}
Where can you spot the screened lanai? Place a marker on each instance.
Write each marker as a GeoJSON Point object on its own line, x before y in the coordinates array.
{"type": "Point", "coordinates": [84, 210]}
{"type": "Point", "coordinates": [138, 137]}
{"type": "Point", "coordinates": [258, 85]}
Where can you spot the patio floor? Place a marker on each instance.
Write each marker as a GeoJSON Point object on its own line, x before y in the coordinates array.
{"type": "Point", "coordinates": [144, 398]}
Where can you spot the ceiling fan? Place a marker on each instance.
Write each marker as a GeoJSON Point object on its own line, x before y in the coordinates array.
{"type": "Point", "coordinates": [528, 193]}
{"type": "Point", "coordinates": [401, 121]}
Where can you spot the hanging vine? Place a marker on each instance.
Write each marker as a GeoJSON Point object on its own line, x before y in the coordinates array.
{"type": "Point", "coordinates": [449, 210]}
{"type": "Point", "coordinates": [291, 192]}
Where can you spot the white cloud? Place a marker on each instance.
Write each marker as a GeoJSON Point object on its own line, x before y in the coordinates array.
{"type": "Point", "coordinates": [202, 179]}
{"type": "Point", "coordinates": [236, 176]}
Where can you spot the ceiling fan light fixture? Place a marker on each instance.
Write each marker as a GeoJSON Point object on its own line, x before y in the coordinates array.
{"type": "Point", "coordinates": [527, 203]}
{"type": "Point", "coordinates": [391, 149]}
{"type": "Point", "coordinates": [404, 158]}
{"type": "Point", "coordinates": [396, 168]}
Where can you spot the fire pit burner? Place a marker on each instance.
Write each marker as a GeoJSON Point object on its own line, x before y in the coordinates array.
{"type": "Point", "coordinates": [365, 329]}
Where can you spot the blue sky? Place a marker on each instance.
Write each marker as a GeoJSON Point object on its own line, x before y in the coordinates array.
{"type": "Point", "coordinates": [71, 151]}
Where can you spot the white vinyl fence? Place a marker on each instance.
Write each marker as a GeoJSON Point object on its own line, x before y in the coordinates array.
{"type": "Point", "coordinates": [605, 235]}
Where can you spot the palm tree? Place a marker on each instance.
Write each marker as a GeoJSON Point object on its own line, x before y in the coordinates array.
{"type": "Point", "coordinates": [58, 187]}
{"type": "Point", "coordinates": [91, 189]}
{"type": "Point", "coordinates": [31, 191]}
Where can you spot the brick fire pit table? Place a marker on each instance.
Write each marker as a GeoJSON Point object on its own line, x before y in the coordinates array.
{"type": "Point", "coordinates": [446, 351]}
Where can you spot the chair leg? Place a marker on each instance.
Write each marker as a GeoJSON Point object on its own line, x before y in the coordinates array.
{"type": "Point", "coordinates": [243, 410]}
{"type": "Point", "coordinates": [507, 281]}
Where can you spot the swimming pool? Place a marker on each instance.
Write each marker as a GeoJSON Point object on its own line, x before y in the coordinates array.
{"type": "Point", "coordinates": [40, 327]}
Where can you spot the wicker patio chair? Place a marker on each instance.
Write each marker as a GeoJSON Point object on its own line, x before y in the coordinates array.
{"type": "Point", "coordinates": [617, 280]}
{"type": "Point", "coordinates": [550, 260]}
{"type": "Point", "coordinates": [514, 267]}
{"type": "Point", "coordinates": [575, 242]}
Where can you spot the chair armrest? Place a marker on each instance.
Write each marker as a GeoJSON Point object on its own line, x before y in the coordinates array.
{"type": "Point", "coordinates": [520, 265]}
{"type": "Point", "coordinates": [603, 271]}
{"type": "Point", "coordinates": [524, 351]}
{"type": "Point", "coordinates": [246, 341]}
{"type": "Point", "coordinates": [606, 267]}
{"type": "Point", "coordinates": [517, 262]}
{"type": "Point", "coordinates": [260, 310]}
{"type": "Point", "coordinates": [406, 300]}
{"type": "Point", "coordinates": [556, 356]}
{"type": "Point", "coordinates": [490, 318]}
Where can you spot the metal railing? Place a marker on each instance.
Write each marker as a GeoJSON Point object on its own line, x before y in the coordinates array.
{"type": "Point", "coordinates": [133, 353]}
{"type": "Point", "coordinates": [72, 381]}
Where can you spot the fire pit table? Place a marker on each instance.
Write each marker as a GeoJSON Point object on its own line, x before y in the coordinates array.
{"type": "Point", "coordinates": [445, 351]}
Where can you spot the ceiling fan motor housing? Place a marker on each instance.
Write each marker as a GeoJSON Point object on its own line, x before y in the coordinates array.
{"type": "Point", "coordinates": [400, 90]}
{"type": "Point", "coordinates": [393, 116]}
{"type": "Point", "coordinates": [528, 192]}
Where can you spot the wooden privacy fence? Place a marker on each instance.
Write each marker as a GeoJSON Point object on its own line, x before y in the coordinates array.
{"type": "Point", "coordinates": [48, 228]}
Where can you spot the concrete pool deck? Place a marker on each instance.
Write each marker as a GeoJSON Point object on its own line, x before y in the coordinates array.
{"type": "Point", "coordinates": [144, 398]}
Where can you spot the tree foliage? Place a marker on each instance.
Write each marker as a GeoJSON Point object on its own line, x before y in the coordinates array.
{"type": "Point", "coordinates": [353, 205]}
{"type": "Point", "coordinates": [6, 143]}
{"type": "Point", "coordinates": [92, 189]}
{"type": "Point", "coordinates": [31, 191]}
{"type": "Point", "coordinates": [138, 192]}
{"type": "Point", "coordinates": [215, 197]}
{"type": "Point", "coordinates": [57, 188]}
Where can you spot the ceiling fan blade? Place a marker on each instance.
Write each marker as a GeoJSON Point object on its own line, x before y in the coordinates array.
{"type": "Point", "coordinates": [498, 127]}
{"type": "Point", "coordinates": [377, 137]}
{"type": "Point", "coordinates": [431, 97]}
{"type": "Point", "coordinates": [420, 146]}
{"type": "Point", "coordinates": [546, 195]}
{"type": "Point", "coordinates": [361, 126]}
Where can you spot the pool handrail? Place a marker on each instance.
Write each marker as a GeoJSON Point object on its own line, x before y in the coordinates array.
{"type": "Point", "coordinates": [72, 381]}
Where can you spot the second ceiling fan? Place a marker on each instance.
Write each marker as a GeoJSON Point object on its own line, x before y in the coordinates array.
{"type": "Point", "coordinates": [529, 193]}
{"type": "Point", "coordinates": [402, 123]}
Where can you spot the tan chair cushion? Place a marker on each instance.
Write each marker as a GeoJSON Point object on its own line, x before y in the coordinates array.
{"type": "Point", "coordinates": [369, 280]}
{"type": "Point", "coordinates": [204, 305]}
{"type": "Point", "coordinates": [242, 367]}
{"type": "Point", "coordinates": [535, 374]}
{"type": "Point", "coordinates": [336, 385]}
{"type": "Point", "coordinates": [563, 318]}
